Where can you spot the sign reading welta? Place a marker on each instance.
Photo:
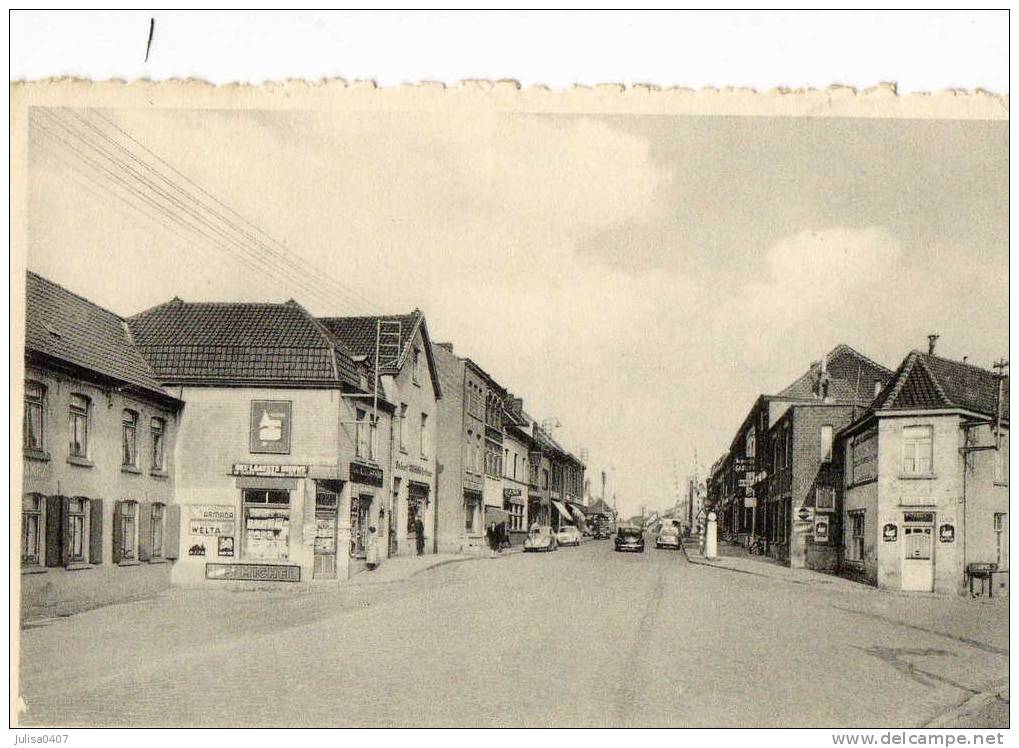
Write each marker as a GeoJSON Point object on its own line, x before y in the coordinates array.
{"type": "Point", "coordinates": [250, 470]}
{"type": "Point", "coordinates": [269, 431]}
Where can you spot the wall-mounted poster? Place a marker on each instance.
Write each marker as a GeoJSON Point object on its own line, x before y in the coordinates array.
{"type": "Point", "coordinates": [890, 533]}
{"type": "Point", "coordinates": [821, 525]}
{"type": "Point", "coordinates": [946, 533]}
{"type": "Point", "coordinates": [270, 427]}
{"type": "Point", "coordinates": [226, 547]}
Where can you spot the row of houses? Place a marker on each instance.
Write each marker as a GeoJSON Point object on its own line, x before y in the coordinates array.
{"type": "Point", "coordinates": [896, 478]}
{"type": "Point", "coordinates": [198, 443]}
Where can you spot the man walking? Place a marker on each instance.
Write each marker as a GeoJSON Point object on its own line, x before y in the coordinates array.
{"type": "Point", "coordinates": [419, 531]}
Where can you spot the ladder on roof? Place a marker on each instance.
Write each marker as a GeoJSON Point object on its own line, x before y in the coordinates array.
{"type": "Point", "coordinates": [389, 339]}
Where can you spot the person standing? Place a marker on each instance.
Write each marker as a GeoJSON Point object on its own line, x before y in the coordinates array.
{"type": "Point", "coordinates": [419, 531]}
{"type": "Point", "coordinates": [372, 548]}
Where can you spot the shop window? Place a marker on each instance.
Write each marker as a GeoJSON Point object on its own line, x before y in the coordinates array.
{"type": "Point", "coordinates": [266, 524]}
{"type": "Point", "coordinates": [917, 450]}
{"type": "Point", "coordinates": [158, 430]}
{"type": "Point", "coordinates": [78, 417]}
{"type": "Point", "coordinates": [129, 439]}
{"type": "Point", "coordinates": [854, 543]}
{"type": "Point", "coordinates": [423, 434]}
{"type": "Point", "coordinates": [32, 529]}
{"type": "Point", "coordinates": [35, 400]}
{"type": "Point", "coordinates": [157, 518]}
{"type": "Point", "coordinates": [827, 433]}
{"type": "Point", "coordinates": [1001, 540]}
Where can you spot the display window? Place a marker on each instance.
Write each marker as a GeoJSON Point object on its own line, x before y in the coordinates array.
{"type": "Point", "coordinates": [266, 524]}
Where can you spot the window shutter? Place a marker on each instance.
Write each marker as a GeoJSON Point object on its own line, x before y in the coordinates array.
{"type": "Point", "coordinates": [171, 533]}
{"type": "Point", "coordinates": [53, 533]}
{"type": "Point", "coordinates": [65, 530]}
{"type": "Point", "coordinates": [95, 530]}
{"type": "Point", "coordinates": [118, 532]}
{"type": "Point", "coordinates": [144, 530]}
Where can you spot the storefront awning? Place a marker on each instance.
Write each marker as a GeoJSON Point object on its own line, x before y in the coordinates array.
{"type": "Point", "coordinates": [578, 514]}
{"type": "Point", "coordinates": [495, 515]}
{"type": "Point", "coordinates": [563, 511]}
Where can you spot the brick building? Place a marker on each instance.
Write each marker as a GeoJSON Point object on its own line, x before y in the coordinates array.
{"type": "Point", "coordinates": [280, 468]}
{"type": "Point", "coordinates": [409, 379]}
{"type": "Point", "coordinates": [99, 522]}
{"type": "Point", "coordinates": [924, 479]}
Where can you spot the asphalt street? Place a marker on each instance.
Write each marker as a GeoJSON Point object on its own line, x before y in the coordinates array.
{"type": "Point", "coordinates": [580, 637]}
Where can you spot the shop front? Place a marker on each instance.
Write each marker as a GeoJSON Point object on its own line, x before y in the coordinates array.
{"type": "Point", "coordinates": [412, 503]}
{"type": "Point", "coordinates": [366, 511]}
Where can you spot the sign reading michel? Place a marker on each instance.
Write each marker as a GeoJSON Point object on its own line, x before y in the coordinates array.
{"type": "Point", "coordinates": [269, 431]}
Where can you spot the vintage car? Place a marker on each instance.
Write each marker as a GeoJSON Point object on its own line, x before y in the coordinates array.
{"type": "Point", "coordinates": [630, 538]}
{"type": "Point", "coordinates": [568, 535]}
{"type": "Point", "coordinates": [668, 537]}
{"type": "Point", "coordinates": [541, 539]}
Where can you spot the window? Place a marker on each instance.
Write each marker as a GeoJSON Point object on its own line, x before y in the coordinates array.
{"type": "Point", "coordinates": [825, 498]}
{"type": "Point", "coordinates": [77, 530]}
{"type": "Point", "coordinates": [267, 524]}
{"type": "Point", "coordinates": [365, 447]}
{"type": "Point", "coordinates": [78, 422]}
{"type": "Point", "coordinates": [128, 529]}
{"type": "Point", "coordinates": [470, 451]}
{"type": "Point", "coordinates": [1001, 539]}
{"type": "Point", "coordinates": [1001, 461]}
{"type": "Point", "coordinates": [854, 543]}
{"type": "Point", "coordinates": [515, 456]}
{"type": "Point", "coordinates": [158, 429]}
{"type": "Point", "coordinates": [917, 450]}
{"type": "Point", "coordinates": [423, 436]}
{"type": "Point", "coordinates": [544, 479]}
{"type": "Point", "coordinates": [35, 397]}
{"type": "Point", "coordinates": [416, 371]}
{"type": "Point", "coordinates": [32, 525]}
{"type": "Point", "coordinates": [158, 513]}
{"type": "Point", "coordinates": [826, 441]}
{"type": "Point", "coordinates": [403, 427]}
{"type": "Point", "coordinates": [752, 443]}
{"type": "Point", "coordinates": [129, 439]}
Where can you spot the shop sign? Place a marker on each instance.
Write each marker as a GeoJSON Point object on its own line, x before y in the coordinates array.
{"type": "Point", "coordinates": [250, 470]}
{"type": "Point", "coordinates": [946, 533]}
{"type": "Point", "coordinates": [805, 513]}
{"type": "Point", "coordinates": [226, 546]}
{"type": "Point", "coordinates": [821, 524]}
{"type": "Point", "coordinates": [744, 464]}
{"type": "Point", "coordinates": [253, 572]}
{"type": "Point", "coordinates": [196, 550]}
{"type": "Point", "coordinates": [269, 431]}
{"type": "Point", "coordinates": [749, 490]}
{"type": "Point", "coordinates": [366, 475]}
{"type": "Point", "coordinates": [206, 527]}
{"type": "Point", "coordinates": [509, 493]}
{"type": "Point", "coordinates": [890, 533]}
{"type": "Point", "coordinates": [213, 512]}
{"type": "Point", "coordinates": [412, 467]}
{"type": "Point", "coordinates": [918, 517]}
{"type": "Point", "coordinates": [750, 502]}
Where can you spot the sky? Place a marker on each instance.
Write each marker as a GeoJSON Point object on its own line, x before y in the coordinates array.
{"type": "Point", "coordinates": [641, 279]}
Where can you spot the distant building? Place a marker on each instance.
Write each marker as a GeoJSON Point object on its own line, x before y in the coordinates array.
{"type": "Point", "coordinates": [924, 479]}
{"type": "Point", "coordinates": [281, 469]}
{"type": "Point", "coordinates": [99, 522]}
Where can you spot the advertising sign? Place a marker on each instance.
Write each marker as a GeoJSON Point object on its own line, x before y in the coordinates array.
{"type": "Point", "coordinates": [744, 464]}
{"type": "Point", "coordinates": [821, 526]}
{"type": "Point", "coordinates": [890, 533]}
{"type": "Point", "coordinates": [805, 513]}
{"type": "Point", "coordinates": [509, 493]}
{"type": "Point", "coordinates": [253, 572]}
{"type": "Point", "coordinates": [226, 547]}
{"type": "Point", "coordinates": [366, 475]}
{"type": "Point", "coordinates": [750, 502]}
{"type": "Point", "coordinates": [210, 528]}
{"type": "Point", "coordinates": [250, 470]}
{"type": "Point", "coordinates": [946, 533]}
{"type": "Point", "coordinates": [269, 431]}
{"type": "Point", "coordinates": [217, 512]}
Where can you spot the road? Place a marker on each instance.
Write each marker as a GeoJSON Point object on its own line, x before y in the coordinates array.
{"type": "Point", "coordinates": [580, 637]}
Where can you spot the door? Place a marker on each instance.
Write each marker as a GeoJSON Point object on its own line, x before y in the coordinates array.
{"type": "Point", "coordinates": [918, 558]}
{"type": "Point", "coordinates": [325, 535]}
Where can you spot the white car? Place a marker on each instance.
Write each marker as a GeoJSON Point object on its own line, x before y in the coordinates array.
{"type": "Point", "coordinates": [540, 539]}
{"type": "Point", "coordinates": [568, 535]}
{"type": "Point", "coordinates": [668, 537]}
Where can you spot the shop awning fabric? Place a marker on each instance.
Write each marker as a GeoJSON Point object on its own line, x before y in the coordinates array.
{"type": "Point", "coordinates": [563, 511]}
{"type": "Point", "coordinates": [495, 515]}
{"type": "Point", "coordinates": [581, 519]}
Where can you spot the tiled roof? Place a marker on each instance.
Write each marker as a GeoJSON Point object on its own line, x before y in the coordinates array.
{"type": "Point", "coordinates": [240, 342]}
{"type": "Point", "coordinates": [925, 381]}
{"type": "Point", "coordinates": [851, 377]}
{"type": "Point", "coordinates": [62, 325]}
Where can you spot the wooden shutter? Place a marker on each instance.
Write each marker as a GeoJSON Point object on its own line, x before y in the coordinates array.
{"type": "Point", "coordinates": [171, 531]}
{"type": "Point", "coordinates": [118, 532]}
{"type": "Point", "coordinates": [95, 531]}
{"type": "Point", "coordinates": [65, 530]}
{"type": "Point", "coordinates": [144, 520]}
{"type": "Point", "coordinates": [53, 532]}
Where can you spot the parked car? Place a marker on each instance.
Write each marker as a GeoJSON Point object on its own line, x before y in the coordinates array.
{"type": "Point", "coordinates": [568, 535]}
{"type": "Point", "coordinates": [668, 537]}
{"type": "Point", "coordinates": [629, 538]}
{"type": "Point", "coordinates": [541, 539]}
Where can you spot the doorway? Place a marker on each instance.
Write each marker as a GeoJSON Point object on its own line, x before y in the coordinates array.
{"type": "Point", "coordinates": [326, 503]}
{"type": "Point", "coordinates": [918, 552]}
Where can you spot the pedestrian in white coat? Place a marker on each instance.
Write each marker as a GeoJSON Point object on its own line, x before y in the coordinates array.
{"type": "Point", "coordinates": [372, 550]}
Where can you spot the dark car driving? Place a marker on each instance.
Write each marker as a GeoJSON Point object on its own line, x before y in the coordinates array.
{"type": "Point", "coordinates": [630, 539]}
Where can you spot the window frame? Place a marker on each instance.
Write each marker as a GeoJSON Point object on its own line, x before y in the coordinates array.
{"type": "Point", "coordinates": [403, 427]}
{"type": "Point", "coordinates": [827, 444]}
{"type": "Point", "coordinates": [416, 367]}
{"type": "Point", "coordinates": [79, 411]}
{"type": "Point", "coordinates": [129, 438]}
{"type": "Point", "coordinates": [157, 529]}
{"type": "Point", "coordinates": [1001, 539]}
{"type": "Point", "coordinates": [856, 540]}
{"type": "Point", "coordinates": [157, 434]}
{"type": "Point", "coordinates": [79, 531]}
{"type": "Point", "coordinates": [129, 517]}
{"type": "Point", "coordinates": [37, 513]}
{"type": "Point", "coordinates": [34, 403]}
{"type": "Point", "coordinates": [423, 435]}
{"type": "Point", "coordinates": [915, 443]}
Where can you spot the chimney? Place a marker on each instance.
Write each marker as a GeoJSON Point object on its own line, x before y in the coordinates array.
{"type": "Point", "coordinates": [932, 340]}
{"type": "Point", "coordinates": [446, 346]}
